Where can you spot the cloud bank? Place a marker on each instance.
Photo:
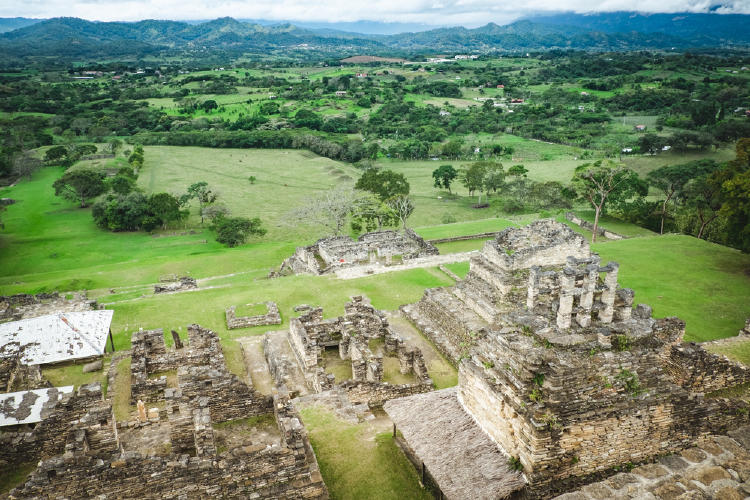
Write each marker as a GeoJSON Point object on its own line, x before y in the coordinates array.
{"type": "Point", "coordinates": [433, 12]}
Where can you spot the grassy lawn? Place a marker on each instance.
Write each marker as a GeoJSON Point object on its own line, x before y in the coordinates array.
{"type": "Point", "coordinates": [461, 246]}
{"type": "Point", "coordinates": [736, 351]}
{"type": "Point", "coordinates": [463, 228]}
{"type": "Point", "coordinates": [616, 225]}
{"type": "Point", "coordinates": [357, 461]}
{"type": "Point", "coordinates": [705, 284]}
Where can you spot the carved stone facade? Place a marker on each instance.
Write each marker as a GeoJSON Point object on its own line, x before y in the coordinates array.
{"type": "Point", "coordinates": [559, 369]}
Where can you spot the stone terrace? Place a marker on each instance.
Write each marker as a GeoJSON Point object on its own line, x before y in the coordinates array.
{"type": "Point", "coordinates": [556, 366]}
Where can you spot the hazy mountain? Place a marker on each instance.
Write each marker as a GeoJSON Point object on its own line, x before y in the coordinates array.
{"type": "Point", "coordinates": [701, 29]}
{"type": "Point", "coordinates": [73, 37]}
{"type": "Point", "coordinates": [12, 23]}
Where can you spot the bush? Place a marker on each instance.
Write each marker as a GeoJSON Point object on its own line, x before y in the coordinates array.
{"type": "Point", "coordinates": [233, 231]}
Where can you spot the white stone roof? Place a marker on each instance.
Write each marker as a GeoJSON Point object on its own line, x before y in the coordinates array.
{"type": "Point", "coordinates": [56, 337]}
{"type": "Point", "coordinates": [25, 407]}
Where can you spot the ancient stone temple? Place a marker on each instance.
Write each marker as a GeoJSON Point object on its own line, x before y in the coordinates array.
{"type": "Point", "coordinates": [329, 254]}
{"type": "Point", "coordinates": [565, 378]}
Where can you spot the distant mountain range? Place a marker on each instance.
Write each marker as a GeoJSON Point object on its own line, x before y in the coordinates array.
{"type": "Point", "coordinates": [78, 38]}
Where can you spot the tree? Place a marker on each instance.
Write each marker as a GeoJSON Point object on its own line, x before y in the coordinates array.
{"type": "Point", "coordinates": [402, 206]}
{"type": "Point", "coordinates": [602, 182]}
{"type": "Point", "coordinates": [233, 231]}
{"type": "Point", "coordinates": [25, 164]}
{"type": "Point", "coordinates": [55, 153]}
{"type": "Point", "coordinates": [330, 210]}
{"type": "Point", "coordinates": [701, 196]}
{"type": "Point", "coordinates": [209, 105]}
{"type": "Point", "coordinates": [118, 212]}
{"type": "Point", "coordinates": [252, 179]}
{"type": "Point", "coordinates": [384, 183]}
{"type": "Point", "coordinates": [518, 171]}
{"type": "Point", "coordinates": [671, 181]}
{"type": "Point", "coordinates": [734, 180]}
{"type": "Point", "coordinates": [495, 177]}
{"type": "Point", "coordinates": [80, 185]}
{"type": "Point", "coordinates": [165, 207]}
{"type": "Point", "coordinates": [201, 192]}
{"type": "Point", "coordinates": [444, 176]}
{"type": "Point", "coordinates": [650, 143]}
{"type": "Point", "coordinates": [369, 213]}
{"type": "Point", "coordinates": [114, 145]}
{"type": "Point", "coordinates": [122, 184]}
{"type": "Point", "coordinates": [473, 176]}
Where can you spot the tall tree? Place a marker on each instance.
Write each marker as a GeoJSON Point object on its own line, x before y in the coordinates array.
{"type": "Point", "coordinates": [80, 185]}
{"type": "Point", "coordinates": [734, 180]}
{"type": "Point", "coordinates": [384, 183]}
{"type": "Point", "coordinates": [672, 179]}
{"type": "Point", "coordinates": [602, 182]}
{"type": "Point", "coordinates": [402, 206]}
{"type": "Point", "coordinates": [201, 192]}
{"type": "Point", "coordinates": [444, 176]}
{"type": "Point", "coordinates": [331, 210]}
{"type": "Point", "coordinates": [473, 177]}
{"type": "Point", "coordinates": [701, 196]}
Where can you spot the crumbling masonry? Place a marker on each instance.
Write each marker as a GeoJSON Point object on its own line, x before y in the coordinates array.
{"type": "Point", "coordinates": [94, 460]}
{"type": "Point", "coordinates": [329, 254]}
{"type": "Point", "coordinates": [559, 369]}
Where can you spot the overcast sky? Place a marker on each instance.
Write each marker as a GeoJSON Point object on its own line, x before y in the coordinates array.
{"type": "Point", "coordinates": [434, 12]}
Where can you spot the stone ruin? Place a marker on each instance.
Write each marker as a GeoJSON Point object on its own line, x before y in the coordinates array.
{"type": "Point", "coordinates": [271, 317]}
{"type": "Point", "coordinates": [329, 254]}
{"type": "Point", "coordinates": [23, 306]}
{"type": "Point", "coordinates": [174, 284]}
{"type": "Point", "coordinates": [362, 335]}
{"type": "Point", "coordinates": [559, 370]}
{"type": "Point", "coordinates": [85, 452]}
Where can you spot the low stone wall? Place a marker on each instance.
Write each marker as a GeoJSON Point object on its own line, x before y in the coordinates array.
{"type": "Point", "coordinates": [48, 438]}
{"type": "Point", "coordinates": [184, 283]}
{"type": "Point", "coordinates": [272, 317]}
{"type": "Point", "coordinates": [610, 235]}
{"type": "Point", "coordinates": [698, 370]}
{"type": "Point", "coordinates": [374, 394]}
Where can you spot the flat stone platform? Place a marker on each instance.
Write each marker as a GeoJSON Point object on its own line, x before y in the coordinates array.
{"type": "Point", "coordinates": [460, 457]}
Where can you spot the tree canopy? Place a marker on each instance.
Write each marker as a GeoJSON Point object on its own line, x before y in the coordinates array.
{"type": "Point", "coordinates": [80, 185]}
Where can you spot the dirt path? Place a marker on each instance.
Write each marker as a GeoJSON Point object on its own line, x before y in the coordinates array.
{"type": "Point", "coordinates": [255, 363]}
{"type": "Point", "coordinates": [432, 261]}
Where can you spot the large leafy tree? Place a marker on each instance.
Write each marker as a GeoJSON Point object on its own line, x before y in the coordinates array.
{"type": "Point", "coordinates": [80, 185]}
{"type": "Point", "coordinates": [384, 183]}
{"type": "Point", "coordinates": [672, 179]}
{"type": "Point", "coordinates": [165, 207]}
{"type": "Point", "coordinates": [605, 182]}
{"type": "Point", "coordinates": [734, 180]}
{"type": "Point", "coordinates": [369, 213]}
{"type": "Point", "coordinates": [233, 231]}
{"type": "Point", "coordinates": [444, 176]}
{"type": "Point", "coordinates": [473, 178]}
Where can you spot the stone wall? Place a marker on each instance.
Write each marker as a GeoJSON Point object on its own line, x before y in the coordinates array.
{"type": "Point", "coordinates": [22, 305]}
{"type": "Point", "coordinates": [611, 235]}
{"type": "Point", "coordinates": [92, 466]}
{"type": "Point", "coordinates": [336, 252]}
{"type": "Point", "coordinates": [271, 317]}
{"type": "Point", "coordinates": [374, 394]}
{"type": "Point", "coordinates": [48, 438]}
{"type": "Point", "coordinates": [698, 370]}
{"type": "Point", "coordinates": [178, 285]}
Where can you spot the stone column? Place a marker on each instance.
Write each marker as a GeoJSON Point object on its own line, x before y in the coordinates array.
{"type": "Point", "coordinates": [624, 303]}
{"type": "Point", "coordinates": [608, 295]}
{"type": "Point", "coordinates": [567, 288]}
{"type": "Point", "coordinates": [590, 278]}
{"type": "Point", "coordinates": [141, 411]}
{"type": "Point", "coordinates": [533, 291]}
{"type": "Point", "coordinates": [405, 359]}
{"type": "Point", "coordinates": [359, 370]}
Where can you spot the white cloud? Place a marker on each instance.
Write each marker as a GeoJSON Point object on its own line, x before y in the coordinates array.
{"type": "Point", "coordinates": [437, 12]}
